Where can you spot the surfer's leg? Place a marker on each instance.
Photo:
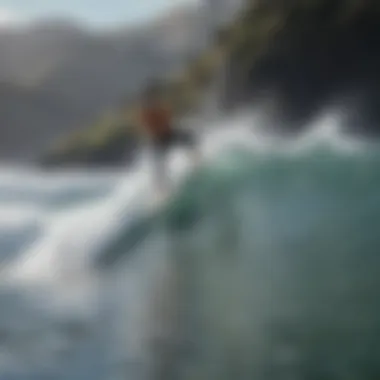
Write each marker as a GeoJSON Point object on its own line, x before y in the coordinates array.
{"type": "Point", "coordinates": [164, 341]}
{"type": "Point", "coordinates": [161, 175]}
{"type": "Point", "coordinates": [195, 151]}
{"type": "Point", "coordinates": [189, 141]}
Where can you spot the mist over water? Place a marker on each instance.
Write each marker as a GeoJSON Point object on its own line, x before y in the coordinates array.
{"type": "Point", "coordinates": [290, 213]}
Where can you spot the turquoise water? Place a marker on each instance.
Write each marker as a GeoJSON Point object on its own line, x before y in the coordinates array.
{"type": "Point", "coordinates": [276, 255]}
{"type": "Point", "coordinates": [285, 267]}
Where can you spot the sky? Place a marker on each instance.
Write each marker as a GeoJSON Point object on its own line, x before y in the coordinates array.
{"type": "Point", "coordinates": [94, 12]}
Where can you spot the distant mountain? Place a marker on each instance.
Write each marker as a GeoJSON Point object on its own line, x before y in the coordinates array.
{"type": "Point", "coordinates": [51, 51]}
{"type": "Point", "coordinates": [85, 72]}
{"type": "Point", "coordinates": [30, 118]}
{"type": "Point", "coordinates": [29, 54]}
{"type": "Point", "coordinates": [60, 76]}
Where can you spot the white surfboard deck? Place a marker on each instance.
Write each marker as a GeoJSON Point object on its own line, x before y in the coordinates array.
{"type": "Point", "coordinates": [159, 198]}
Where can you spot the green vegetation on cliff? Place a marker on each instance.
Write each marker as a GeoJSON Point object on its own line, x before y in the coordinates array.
{"type": "Point", "coordinates": [111, 139]}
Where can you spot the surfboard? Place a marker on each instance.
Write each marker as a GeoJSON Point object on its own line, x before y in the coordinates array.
{"type": "Point", "coordinates": [137, 230]}
{"type": "Point", "coordinates": [160, 197]}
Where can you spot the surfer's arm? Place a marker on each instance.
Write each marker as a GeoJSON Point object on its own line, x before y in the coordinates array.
{"type": "Point", "coordinates": [139, 125]}
{"type": "Point", "coordinates": [171, 114]}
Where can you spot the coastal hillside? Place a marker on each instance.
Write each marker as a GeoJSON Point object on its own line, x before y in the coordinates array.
{"type": "Point", "coordinates": [85, 72]}
{"type": "Point", "coordinates": [289, 60]}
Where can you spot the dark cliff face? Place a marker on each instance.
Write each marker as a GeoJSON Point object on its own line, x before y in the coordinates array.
{"type": "Point", "coordinates": [322, 55]}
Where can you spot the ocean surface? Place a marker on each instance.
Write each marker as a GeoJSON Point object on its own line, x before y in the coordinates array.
{"type": "Point", "coordinates": [303, 216]}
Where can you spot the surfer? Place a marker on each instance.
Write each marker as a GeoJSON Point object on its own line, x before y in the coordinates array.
{"type": "Point", "coordinates": [157, 120]}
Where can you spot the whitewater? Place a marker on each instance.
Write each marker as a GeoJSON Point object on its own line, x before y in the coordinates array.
{"type": "Point", "coordinates": [242, 247]}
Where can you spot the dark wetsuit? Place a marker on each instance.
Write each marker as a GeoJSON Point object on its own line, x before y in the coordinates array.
{"type": "Point", "coordinates": [158, 123]}
{"type": "Point", "coordinates": [157, 120]}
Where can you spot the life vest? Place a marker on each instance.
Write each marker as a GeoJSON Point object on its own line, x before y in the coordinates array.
{"type": "Point", "coordinates": [157, 120]}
